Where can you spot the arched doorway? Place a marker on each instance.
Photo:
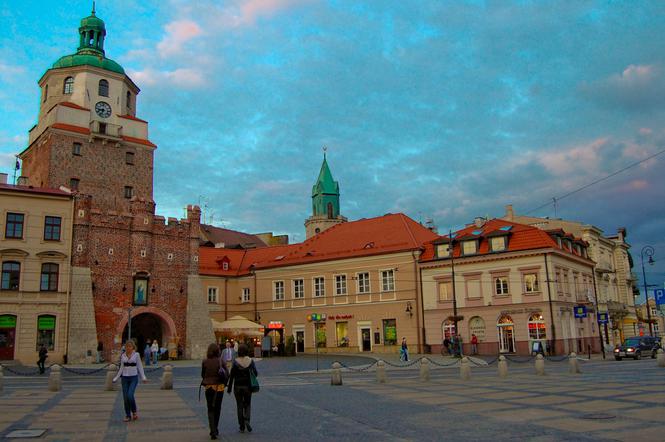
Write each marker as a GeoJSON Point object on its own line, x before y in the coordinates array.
{"type": "Point", "coordinates": [448, 329]}
{"type": "Point", "coordinates": [149, 323]}
{"type": "Point", "coordinates": [506, 329]}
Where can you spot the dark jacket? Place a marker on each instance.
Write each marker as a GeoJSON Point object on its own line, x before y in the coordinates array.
{"type": "Point", "coordinates": [43, 353]}
{"type": "Point", "coordinates": [210, 372]}
{"type": "Point", "coordinates": [240, 375]}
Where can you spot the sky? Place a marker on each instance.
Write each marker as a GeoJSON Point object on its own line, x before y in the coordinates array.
{"type": "Point", "coordinates": [441, 110]}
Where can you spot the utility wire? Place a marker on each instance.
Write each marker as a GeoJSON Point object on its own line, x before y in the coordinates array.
{"type": "Point", "coordinates": [586, 186]}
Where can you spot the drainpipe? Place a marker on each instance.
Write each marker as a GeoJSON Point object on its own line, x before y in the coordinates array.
{"type": "Point", "coordinates": [256, 297]}
{"type": "Point", "coordinates": [68, 296]}
{"type": "Point", "coordinates": [549, 296]}
{"type": "Point", "coordinates": [226, 298]}
{"type": "Point", "coordinates": [419, 304]}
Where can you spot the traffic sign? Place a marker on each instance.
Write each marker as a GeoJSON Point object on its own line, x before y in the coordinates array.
{"type": "Point", "coordinates": [660, 296]}
{"type": "Point", "coordinates": [579, 311]}
{"type": "Point", "coordinates": [602, 318]}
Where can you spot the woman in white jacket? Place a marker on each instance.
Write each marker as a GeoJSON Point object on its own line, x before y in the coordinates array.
{"type": "Point", "coordinates": [129, 372]}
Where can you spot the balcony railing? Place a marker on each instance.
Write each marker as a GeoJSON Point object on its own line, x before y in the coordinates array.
{"type": "Point", "coordinates": [105, 130]}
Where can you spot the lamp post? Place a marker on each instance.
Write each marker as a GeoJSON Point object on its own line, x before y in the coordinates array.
{"type": "Point", "coordinates": [129, 322]}
{"type": "Point", "coordinates": [452, 270]}
{"type": "Point", "coordinates": [647, 251]}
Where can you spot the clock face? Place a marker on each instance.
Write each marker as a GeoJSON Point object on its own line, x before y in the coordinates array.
{"type": "Point", "coordinates": [103, 109]}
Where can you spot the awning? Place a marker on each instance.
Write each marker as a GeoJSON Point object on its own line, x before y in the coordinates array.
{"type": "Point", "coordinates": [238, 325]}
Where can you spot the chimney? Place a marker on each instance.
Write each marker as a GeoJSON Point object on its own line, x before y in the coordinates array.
{"type": "Point", "coordinates": [22, 180]}
{"type": "Point", "coordinates": [510, 214]}
{"type": "Point", "coordinates": [3, 178]}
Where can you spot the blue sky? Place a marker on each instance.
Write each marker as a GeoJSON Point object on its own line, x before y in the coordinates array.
{"type": "Point", "coordinates": [442, 110]}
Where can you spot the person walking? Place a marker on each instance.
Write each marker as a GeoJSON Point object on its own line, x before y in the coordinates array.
{"type": "Point", "coordinates": [474, 344]}
{"type": "Point", "coordinates": [458, 343]}
{"type": "Point", "coordinates": [43, 354]}
{"type": "Point", "coordinates": [155, 351]}
{"type": "Point", "coordinates": [130, 370]}
{"type": "Point", "coordinates": [228, 355]}
{"type": "Point", "coordinates": [446, 345]}
{"type": "Point", "coordinates": [100, 352]}
{"type": "Point", "coordinates": [147, 353]}
{"type": "Point", "coordinates": [241, 371]}
{"type": "Point", "coordinates": [405, 350]}
{"type": "Point", "coordinates": [213, 378]}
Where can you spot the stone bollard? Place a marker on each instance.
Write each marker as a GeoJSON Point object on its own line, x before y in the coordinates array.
{"type": "Point", "coordinates": [2, 378]}
{"type": "Point", "coordinates": [110, 373]}
{"type": "Point", "coordinates": [465, 369]}
{"type": "Point", "coordinates": [167, 378]}
{"type": "Point", "coordinates": [660, 357]}
{"type": "Point", "coordinates": [424, 369]}
{"type": "Point", "coordinates": [381, 372]}
{"type": "Point", "coordinates": [573, 364]}
{"type": "Point", "coordinates": [503, 367]}
{"type": "Point", "coordinates": [55, 379]}
{"type": "Point", "coordinates": [336, 377]}
{"type": "Point", "coordinates": [540, 365]}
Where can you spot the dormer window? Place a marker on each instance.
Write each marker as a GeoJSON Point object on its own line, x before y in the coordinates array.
{"type": "Point", "coordinates": [442, 250]}
{"type": "Point", "coordinates": [578, 249]}
{"type": "Point", "coordinates": [470, 247]}
{"type": "Point", "coordinates": [569, 245]}
{"type": "Point", "coordinates": [498, 243]}
{"type": "Point", "coordinates": [68, 86]}
{"type": "Point", "coordinates": [225, 265]}
{"type": "Point", "coordinates": [103, 88]}
{"type": "Point", "coordinates": [558, 242]}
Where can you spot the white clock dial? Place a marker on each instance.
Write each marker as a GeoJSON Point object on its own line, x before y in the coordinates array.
{"type": "Point", "coordinates": [103, 109]}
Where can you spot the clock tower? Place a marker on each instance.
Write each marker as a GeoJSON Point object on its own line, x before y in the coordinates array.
{"type": "Point", "coordinates": [88, 137]}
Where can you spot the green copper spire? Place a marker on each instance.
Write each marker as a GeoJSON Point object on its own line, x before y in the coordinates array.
{"type": "Point", "coordinates": [325, 193]}
{"type": "Point", "coordinates": [92, 32]}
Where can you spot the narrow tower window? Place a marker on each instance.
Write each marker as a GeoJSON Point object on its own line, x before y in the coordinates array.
{"type": "Point", "coordinates": [129, 100]}
{"type": "Point", "coordinates": [103, 88]}
{"type": "Point", "coordinates": [45, 93]}
{"type": "Point", "coordinates": [69, 86]}
{"type": "Point", "coordinates": [330, 211]}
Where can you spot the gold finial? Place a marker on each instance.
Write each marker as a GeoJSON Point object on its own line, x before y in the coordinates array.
{"type": "Point", "coordinates": [325, 149]}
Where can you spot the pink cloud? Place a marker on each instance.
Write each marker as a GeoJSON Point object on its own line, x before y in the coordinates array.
{"type": "Point", "coordinates": [584, 156]}
{"type": "Point", "coordinates": [246, 12]}
{"type": "Point", "coordinates": [183, 77]}
{"type": "Point", "coordinates": [636, 185]}
{"type": "Point", "coordinates": [645, 131]}
{"type": "Point", "coordinates": [178, 33]}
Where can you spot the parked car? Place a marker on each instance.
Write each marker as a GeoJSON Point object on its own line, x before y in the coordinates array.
{"type": "Point", "coordinates": [637, 347]}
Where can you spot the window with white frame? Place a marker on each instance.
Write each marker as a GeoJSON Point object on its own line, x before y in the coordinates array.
{"type": "Point", "coordinates": [469, 247]}
{"type": "Point", "coordinates": [245, 294]}
{"type": "Point", "coordinates": [501, 285]}
{"type": "Point", "coordinates": [387, 280]}
{"type": "Point", "coordinates": [212, 295]}
{"type": "Point", "coordinates": [498, 243]}
{"type": "Point", "coordinates": [363, 283]}
{"type": "Point", "coordinates": [340, 284]}
{"type": "Point", "coordinates": [319, 287]}
{"type": "Point", "coordinates": [445, 291]}
{"type": "Point", "coordinates": [531, 283]}
{"type": "Point", "coordinates": [278, 291]}
{"type": "Point", "coordinates": [298, 289]}
{"type": "Point", "coordinates": [442, 250]}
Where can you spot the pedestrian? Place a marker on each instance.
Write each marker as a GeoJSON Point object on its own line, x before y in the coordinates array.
{"type": "Point", "coordinates": [446, 345]}
{"type": "Point", "coordinates": [155, 351]}
{"type": "Point", "coordinates": [214, 377]}
{"type": "Point", "coordinates": [458, 341]}
{"type": "Point", "coordinates": [100, 351]}
{"type": "Point", "coordinates": [43, 354]}
{"type": "Point", "coordinates": [241, 372]}
{"type": "Point", "coordinates": [130, 370]}
{"type": "Point", "coordinates": [147, 353]}
{"type": "Point", "coordinates": [405, 350]}
{"type": "Point", "coordinates": [228, 355]}
{"type": "Point", "coordinates": [235, 347]}
{"type": "Point", "coordinates": [474, 344]}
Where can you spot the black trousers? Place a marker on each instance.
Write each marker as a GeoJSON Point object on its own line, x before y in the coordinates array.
{"type": "Point", "coordinates": [214, 402]}
{"type": "Point", "coordinates": [40, 364]}
{"type": "Point", "coordinates": [244, 403]}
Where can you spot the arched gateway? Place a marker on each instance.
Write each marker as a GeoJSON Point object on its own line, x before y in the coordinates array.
{"type": "Point", "coordinates": [149, 323]}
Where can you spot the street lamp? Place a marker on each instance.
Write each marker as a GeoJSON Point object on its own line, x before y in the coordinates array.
{"type": "Point", "coordinates": [129, 322]}
{"type": "Point", "coordinates": [452, 270]}
{"type": "Point", "coordinates": [647, 251]}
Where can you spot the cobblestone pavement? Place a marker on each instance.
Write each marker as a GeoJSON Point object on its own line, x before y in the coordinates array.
{"type": "Point", "coordinates": [610, 400]}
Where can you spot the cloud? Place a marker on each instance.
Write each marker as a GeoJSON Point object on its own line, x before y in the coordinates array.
{"type": "Point", "coordinates": [637, 87]}
{"type": "Point", "coordinates": [247, 12]}
{"type": "Point", "coordinates": [563, 161]}
{"type": "Point", "coordinates": [189, 78]}
{"type": "Point", "coordinates": [178, 33]}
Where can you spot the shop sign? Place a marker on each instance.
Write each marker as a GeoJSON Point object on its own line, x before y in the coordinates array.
{"type": "Point", "coordinates": [603, 318]}
{"type": "Point", "coordinates": [273, 325]}
{"type": "Point", "coordinates": [512, 312]}
{"type": "Point", "coordinates": [340, 317]}
{"type": "Point", "coordinates": [580, 311]}
{"type": "Point", "coordinates": [46, 323]}
{"type": "Point", "coordinates": [317, 317]}
{"type": "Point", "coordinates": [7, 321]}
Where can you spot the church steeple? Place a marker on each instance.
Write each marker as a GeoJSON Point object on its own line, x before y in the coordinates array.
{"type": "Point", "coordinates": [91, 34]}
{"type": "Point", "coordinates": [325, 201]}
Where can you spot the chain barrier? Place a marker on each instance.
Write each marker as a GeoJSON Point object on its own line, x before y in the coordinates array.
{"type": "Point", "coordinates": [409, 364]}
{"type": "Point", "coordinates": [455, 362]}
{"type": "Point", "coordinates": [518, 360]}
{"type": "Point", "coordinates": [556, 358]}
{"type": "Point", "coordinates": [85, 371]}
{"type": "Point", "coordinates": [19, 373]}
{"type": "Point", "coordinates": [357, 369]}
{"type": "Point", "coordinates": [152, 370]}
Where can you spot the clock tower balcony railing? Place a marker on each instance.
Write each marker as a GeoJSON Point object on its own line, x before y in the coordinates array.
{"type": "Point", "coordinates": [100, 129]}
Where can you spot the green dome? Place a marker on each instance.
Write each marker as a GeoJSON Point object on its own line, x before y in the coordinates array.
{"type": "Point", "coordinates": [93, 22]}
{"type": "Point", "coordinates": [86, 59]}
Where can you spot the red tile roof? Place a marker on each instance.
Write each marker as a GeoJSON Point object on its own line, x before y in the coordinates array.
{"type": "Point", "coordinates": [139, 141]}
{"type": "Point", "coordinates": [72, 105]}
{"type": "Point", "coordinates": [390, 233]}
{"type": "Point", "coordinates": [39, 190]}
{"type": "Point", "coordinates": [71, 128]}
{"type": "Point", "coordinates": [520, 237]}
{"type": "Point", "coordinates": [230, 238]}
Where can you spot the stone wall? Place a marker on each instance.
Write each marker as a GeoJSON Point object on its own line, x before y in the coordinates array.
{"type": "Point", "coordinates": [82, 327]}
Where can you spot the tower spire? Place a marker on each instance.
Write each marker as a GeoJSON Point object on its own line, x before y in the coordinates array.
{"type": "Point", "coordinates": [93, 7]}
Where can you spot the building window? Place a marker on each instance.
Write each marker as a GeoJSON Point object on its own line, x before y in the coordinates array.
{"type": "Point", "coordinates": [330, 210]}
{"type": "Point", "coordinates": [342, 334]}
{"type": "Point", "coordinates": [531, 282]}
{"type": "Point", "coordinates": [389, 332]}
{"type": "Point", "coordinates": [245, 295]}
{"type": "Point", "coordinates": [49, 280]}
{"type": "Point", "coordinates": [319, 287]}
{"type": "Point", "coordinates": [448, 328]}
{"type": "Point", "coordinates": [445, 291]}
{"type": "Point", "coordinates": [103, 88]}
{"type": "Point", "coordinates": [68, 86]}
{"type": "Point", "coordinates": [363, 283]}
{"type": "Point", "coordinates": [477, 327]}
{"type": "Point", "coordinates": [537, 328]}
{"type": "Point", "coordinates": [129, 100]}
{"type": "Point", "coordinates": [74, 183]}
{"type": "Point", "coordinates": [340, 284]}
{"type": "Point", "coordinates": [14, 226]}
{"type": "Point", "coordinates": [298, 289]}
{"type": "Point", "coordinates": [388, 280]}
{"type": "Point", "coordinates": [76, 148]}
{"type": "Point", "coordinates": [501, 285]}
{"type": "Point", "coordinates": [46, 331]}
{"type": "Point", "coordinates": [469, 247]}
{"type": "Point", "coordinates": [498, 243]}
{"type": "Point", "coordinates": [129, 191]}
{"type": "Point", "coordinates": [11, 275]}
{"type": "Point", "coordinates": [212, 295]}
{"type": "Point", "coordinates": [442, 250]}
{"type": "Point", "coordinates": [278, 292]}
{"type": "Point", "coordinates": [45, 93]}
{"type": "Point", "coordinates": [52, 228]}
{"type": "Point", "coordinates": [129, 158]}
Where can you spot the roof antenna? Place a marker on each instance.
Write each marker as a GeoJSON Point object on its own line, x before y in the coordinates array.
{"type": "Point", "coordinates": [93, 7]}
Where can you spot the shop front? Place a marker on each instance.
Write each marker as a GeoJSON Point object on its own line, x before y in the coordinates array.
{"type": "Point", "coordinates": [7, 337]}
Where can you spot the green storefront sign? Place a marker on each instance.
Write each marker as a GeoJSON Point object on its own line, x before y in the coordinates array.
{"type": "Point", "coordinates": [46, 323]}
{"type": "Point", "coordinates": [7, 321]}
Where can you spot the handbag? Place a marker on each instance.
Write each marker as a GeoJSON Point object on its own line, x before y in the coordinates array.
{"type": "Point", "coordinates": [253, 382]}
{"type": "Point", "coordinates": [222, 373]}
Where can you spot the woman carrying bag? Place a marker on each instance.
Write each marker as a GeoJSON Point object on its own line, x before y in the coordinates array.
{"type": "Point", "coordinates": [243, 375]}
{"type": "Point", "coordinates": [213, 374]}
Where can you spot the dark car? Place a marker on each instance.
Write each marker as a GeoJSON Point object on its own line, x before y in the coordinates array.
{"type": "Point", "coordinates": [637, 347]}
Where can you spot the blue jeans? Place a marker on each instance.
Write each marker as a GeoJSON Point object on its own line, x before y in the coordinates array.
{"type": "Point", "coordinates": [129, 384]}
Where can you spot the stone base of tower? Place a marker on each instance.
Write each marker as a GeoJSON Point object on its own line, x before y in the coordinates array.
{"type": "Point", "coordinates": [199, 326]}
{"type": "Point", "coordinates": [82, 339]}
{"type": "Point", "coordinates": [317, 224]}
